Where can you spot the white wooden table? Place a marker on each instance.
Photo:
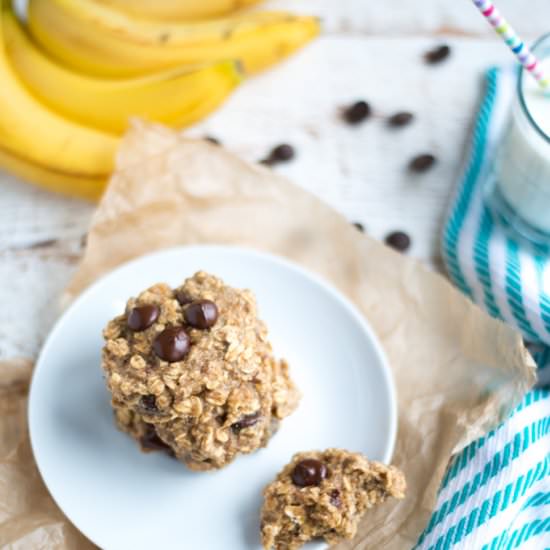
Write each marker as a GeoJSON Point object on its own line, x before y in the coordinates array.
{"type": "Point", "coordinates": [369, 50]}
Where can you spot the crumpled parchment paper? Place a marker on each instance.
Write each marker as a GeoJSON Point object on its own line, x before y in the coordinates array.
{"type": "Point", "coordinates": [458, 372]}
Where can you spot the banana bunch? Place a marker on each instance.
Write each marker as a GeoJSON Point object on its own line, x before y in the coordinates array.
{"type": "Point", "coordinates": [178, 9]}
{"type": "Point", "coordinates": [91, 36]}
{"type": "Point", "coordinates": [73, 76]}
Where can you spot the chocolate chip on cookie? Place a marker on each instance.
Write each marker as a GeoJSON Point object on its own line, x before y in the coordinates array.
{"type": "Point", "coordinates": [245, 422]}
{"type": "Point", "coordinates": [309, 472]}
{"type": "Point", "coordinates": [152, 442]}
{"type": "Point", "coordinates": [183, 297]}
{"type": "Point", "coordinates": [201, 314]}
{"type": "Point", "coordinates": [172, 344]}
{"type": "Point", "coordinates": [142, 317]}
{"type": "Point", "coordinates": [335, 499]}
{"type": "Point", "coordinates": [148, 404]}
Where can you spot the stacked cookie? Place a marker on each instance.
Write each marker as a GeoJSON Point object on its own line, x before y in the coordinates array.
{"type": "Point", "coordinates": [191, 372]}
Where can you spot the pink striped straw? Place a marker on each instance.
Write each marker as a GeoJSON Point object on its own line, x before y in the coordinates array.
{"type": "Point", "coordinates": [515, 43]}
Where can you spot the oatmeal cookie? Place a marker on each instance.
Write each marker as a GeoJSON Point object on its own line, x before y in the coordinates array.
{"type": "Point", "coordinates": [144, 433]}
{"type": "Point", "coordinates": [194, 363]}
{"type": "Point", "coordinates": [324, 495]}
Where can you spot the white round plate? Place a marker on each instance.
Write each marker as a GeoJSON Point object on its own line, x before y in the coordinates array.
{"type": "Point", "coordinates": [123, 499]}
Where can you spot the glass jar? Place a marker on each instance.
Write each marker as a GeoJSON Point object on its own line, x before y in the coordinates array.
{"type": "Point", "coordinates": [518, 189]}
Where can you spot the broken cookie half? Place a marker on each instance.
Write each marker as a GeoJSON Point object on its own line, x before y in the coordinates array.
{"type": "Point", "coordinates": [323, 495]}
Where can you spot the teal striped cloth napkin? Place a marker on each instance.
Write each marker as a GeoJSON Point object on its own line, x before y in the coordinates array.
{"type": "Point", "coordinates": [496, 492]}
{"type": "Point", "coordinates": [509, 279]}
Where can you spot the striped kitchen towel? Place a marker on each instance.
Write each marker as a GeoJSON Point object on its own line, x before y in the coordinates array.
{"type": "Point", "coordinates": [509, 279]}
{"type": "Point", "coordinates": [496, 492]}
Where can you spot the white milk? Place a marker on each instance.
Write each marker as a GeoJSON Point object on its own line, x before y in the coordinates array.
{"type": "Point", "coordinates": [522, 163]}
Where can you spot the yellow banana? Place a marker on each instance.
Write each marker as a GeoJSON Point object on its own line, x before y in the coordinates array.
{"type": "Point", "coordinates": [76, 185]}
{"type": "Point", "coordinates": [177, 9]}
{"type": "Point", "coordinates": [95, 39]}
{"type": "Point", "coordinates": [176, 97]}
{"type": "Point", "coordinates": [31, 134]}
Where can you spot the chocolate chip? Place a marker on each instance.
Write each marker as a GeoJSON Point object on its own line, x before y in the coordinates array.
{"type": "Point", "coordinates": [148, 404]}
{"type": "Point", "coordinates": [437, 54]}
{"type": "Point", "coordinates": [400, 119]}
{"type": "Point", "coordinates": [245, 422]}
{"type": "Point", "coordinates": [183, 297]}
{"type": "Point", "coordinates": [422, 163]}
{"type": "Point", "coordinates": [151, 441]}
{"type": "Point", "coordinates": [172, 344]}
{"type": "Point", "coordinates": [335, 498]}
{"type": "Point", "coordinates": [46, 243]}
{"type": "Point", "coordinates": [357, 112]}
{"type": "Point", "coordinates": [283, 152]}
{"type": "Point", "coordinates": [201, 314]}
{"type": "Point", "coordinates": [309, 472]}
{"type": "Point", "coordinates": [142, 317]}
{"type": "Point", "coordinates": [359, 226]}
{"type": "Point", "coordinates": [398, 240]}
{"type": "Point", "coordinates": [213, 140]}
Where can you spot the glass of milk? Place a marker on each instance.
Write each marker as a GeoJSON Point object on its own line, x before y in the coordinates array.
{"type": "Point", "coordinates": [518, 191]}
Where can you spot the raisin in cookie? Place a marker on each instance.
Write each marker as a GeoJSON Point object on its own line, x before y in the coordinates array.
{"type": "Point", "coordinates": [324, 495]}
{"type": "Point", "coordinates": [194, 366]}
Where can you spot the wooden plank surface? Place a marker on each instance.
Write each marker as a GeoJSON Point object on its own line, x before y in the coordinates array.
{"type": "Point", "coordinates": [369, 50]}
{"type": "Point", "coordinates": [413, 17]}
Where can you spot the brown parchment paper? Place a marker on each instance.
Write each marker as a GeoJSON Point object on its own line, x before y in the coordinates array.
{"type": "Point", "coordinates": [458, 372]}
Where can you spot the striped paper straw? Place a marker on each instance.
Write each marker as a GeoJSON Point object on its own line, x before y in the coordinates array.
{"type": "Point", "coordinates": [515, 43]}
